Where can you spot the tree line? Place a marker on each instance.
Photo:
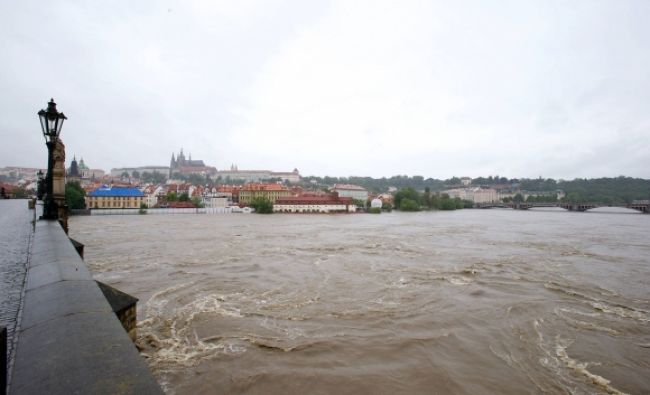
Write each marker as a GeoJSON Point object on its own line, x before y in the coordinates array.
{"type": "Point", "coordinates": [409, 199]}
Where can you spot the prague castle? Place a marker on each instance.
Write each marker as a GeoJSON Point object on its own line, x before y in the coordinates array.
{"type": "Point", "coordinates": [179, 164]}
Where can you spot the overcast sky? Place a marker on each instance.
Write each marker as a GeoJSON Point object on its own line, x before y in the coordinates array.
{"type": "Point", "coordinates": [434, 88]}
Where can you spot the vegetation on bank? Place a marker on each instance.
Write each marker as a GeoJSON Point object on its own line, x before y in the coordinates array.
{"type": "Point", "coordinates": [408, 199]}
{"type": "Point", "coordinates": [603, 190]}
{"type": "Point", "coordinates": [75, 196]}
{"type": "Point", "coordinates": [262, 205]}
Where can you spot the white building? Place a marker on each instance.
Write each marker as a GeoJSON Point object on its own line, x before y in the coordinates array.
{"type": "Point", "coordinates": [476, 195]}
{"type": "Point", "coordinates": [351, 191]}
{"type": "Point", "coordinates": [257, 175]}
{"type": "Point", "coordinates": [152, 192]}
{"type": "Point", "coordinates": [314, 204]}
{"type": "Point", "coordinates": [485, 195]}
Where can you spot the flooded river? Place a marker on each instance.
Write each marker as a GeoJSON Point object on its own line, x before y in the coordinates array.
{"type": "Point", "coordinates": [465, 302]}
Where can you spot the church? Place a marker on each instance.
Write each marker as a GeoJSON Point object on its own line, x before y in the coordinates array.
{"type": "Point", "coordinates": [179, 164]}
{"type": "Point", "coordinates": [79, 171]}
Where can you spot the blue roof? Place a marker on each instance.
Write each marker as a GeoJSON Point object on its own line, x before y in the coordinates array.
{"type": "Point", "coordinates": [117, 191]}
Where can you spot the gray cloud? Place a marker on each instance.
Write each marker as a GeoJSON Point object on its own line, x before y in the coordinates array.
{"type": "Point", "coordinates": [521, 89]}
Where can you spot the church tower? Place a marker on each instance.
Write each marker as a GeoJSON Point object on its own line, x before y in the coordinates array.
{"type": "Point", "coordinates": [74, 169]}
{"type": "Point", "coordinates": [172, 165]}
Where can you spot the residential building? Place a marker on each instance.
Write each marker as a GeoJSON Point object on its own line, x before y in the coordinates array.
{"type": "Point", "coordinates": [115, 197]}
{"type": "Point", "coordinates": [231, 192]}
{"type": "Point", "coordinates": [351, 191]}
{"type": "Point", "coordinates": [476, 195]}
{"type": "Point", "coordinates": [153, 194]}
{"type": "Point", "coordinates": [485, 195]}
{"type": "Point", "coordinates": [270, 191]}
{"type": "Point", "coordinates": [466, 181]}
{"type": "Point", "coordinates": [314, 204]}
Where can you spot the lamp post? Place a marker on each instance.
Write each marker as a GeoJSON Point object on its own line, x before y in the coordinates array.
{"type": "Point", "coordinates": [51, 123]}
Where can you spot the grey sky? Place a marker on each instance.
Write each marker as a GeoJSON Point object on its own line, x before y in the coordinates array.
{"type": "Point", "coordinates": [516, 88]}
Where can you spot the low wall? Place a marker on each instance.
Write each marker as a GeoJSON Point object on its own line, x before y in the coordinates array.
{"type": "Point", "coordinates": [69, 339]}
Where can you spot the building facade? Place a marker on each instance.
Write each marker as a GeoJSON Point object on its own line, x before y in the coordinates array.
{"type": "Point", "coordinates": [270, 191]}
{"type": "Point", "coordinates": [314, 204]}
{"type": "Point", "coordinates": [257, 175]}
{"type": "Point", "coordinates": [351, 191]}
{"type": "Point", "coordinates": [476, 195]}
{"type": "Point", "coordinates": [115, 197]}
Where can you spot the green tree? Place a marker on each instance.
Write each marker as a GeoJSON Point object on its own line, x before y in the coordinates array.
{"type": "Point", "coordinates": [197, 202]}
{"type": "Point", "coordinates": [426, 197]}
{"type": "Point", "coordinates": [407, 204]}
{"type": "Point", "coordinates": [158, 178]}
{"type": "Point", "coordinates": [446, 202]}
{"type": "Point", "coordinates": [262, 205]}
{"type": "Point", "coordinates": [574, 197]}
{"type": "Point", "coordinates": [184, 197]}
{"type": "Point", "coordinates": [406, 193]}
{"type": "Point", "coordinates": [359, 202]}
{"type": "Point", "coordinates": [125, 174]}
{"type": "Point", "coordinates": [171, 197]}
{"type": "Point", "coordinates": [135, 174]}
{"type": "Point", "coordinates": [75, 196]}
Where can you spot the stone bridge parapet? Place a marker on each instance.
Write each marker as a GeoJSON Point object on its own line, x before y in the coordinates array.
{"type": "Point", "coordinates": [69, 340]}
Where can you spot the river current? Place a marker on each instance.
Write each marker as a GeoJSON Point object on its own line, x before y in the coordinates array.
{"type": "Point", "coordinates": [464, 302]}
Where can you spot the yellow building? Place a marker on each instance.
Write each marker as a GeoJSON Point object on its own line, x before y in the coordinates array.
{"type": "Point", "coordinates": [270, 191]}
{"type": "Point", "coordinates": [117, 197]}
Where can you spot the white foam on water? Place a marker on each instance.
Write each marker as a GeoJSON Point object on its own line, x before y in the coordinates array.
{"type": "Point", "coordinates": [581, 368]}
{"type": "Point", "coordinates": [624, 312]}
{"type": "Point", "coordinates": [458, 280]}
{"type": "Point", "coordinates": [583, 324]}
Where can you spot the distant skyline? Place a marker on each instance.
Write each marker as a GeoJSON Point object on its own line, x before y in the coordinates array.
{"type": "Point", "coordinates": [370, 88]}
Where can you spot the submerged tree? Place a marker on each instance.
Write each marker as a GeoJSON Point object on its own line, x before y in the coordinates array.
{"type": "Point", "coordinates": [75, 196]}
{"type": "Point", "coordinates": [262, 205]}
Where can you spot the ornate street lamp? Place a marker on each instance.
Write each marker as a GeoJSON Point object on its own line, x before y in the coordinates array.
{"type": "Point", "coordinates": [51, 123]}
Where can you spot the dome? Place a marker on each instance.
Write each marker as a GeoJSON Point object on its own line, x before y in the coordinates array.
{"type": "Point", "coordinates": [376, 203]}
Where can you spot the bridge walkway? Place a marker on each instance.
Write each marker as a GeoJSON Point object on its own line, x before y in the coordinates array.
{"type": "Point", "coordinates": [16, 231]}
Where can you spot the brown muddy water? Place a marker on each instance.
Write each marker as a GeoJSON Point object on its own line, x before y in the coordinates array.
{"type": "Point", "coordinates": [465, 302]}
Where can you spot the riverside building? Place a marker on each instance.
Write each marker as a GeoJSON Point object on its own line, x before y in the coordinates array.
{"type": "Point", "coordinates": [115, 197]}
{"type": "Point", "coordinates": [270, 191]}
{"type": "Point", "coordinates": [315, 204]}
{"type": "Point", "coordinates": [352, 191]}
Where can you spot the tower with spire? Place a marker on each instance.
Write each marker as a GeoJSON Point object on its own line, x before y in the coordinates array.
{"type": "Point", "coordinates": [178, 162]}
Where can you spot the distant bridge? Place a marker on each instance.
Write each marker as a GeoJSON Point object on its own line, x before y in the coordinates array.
{"type": "Point", "coordinates": [639, 205]}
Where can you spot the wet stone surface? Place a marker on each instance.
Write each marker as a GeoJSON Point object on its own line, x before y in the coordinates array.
{"type": "Point", "coordinates": [15, 236]}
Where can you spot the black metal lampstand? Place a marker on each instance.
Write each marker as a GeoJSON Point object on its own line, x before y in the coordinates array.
{"type": "Point", "coordinates": [51, 123]}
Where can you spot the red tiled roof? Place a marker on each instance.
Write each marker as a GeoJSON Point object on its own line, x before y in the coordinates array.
{"type": "Point", "coordinates": [264, 187]}
{"type": "Point", "coordinates": [349, 187]}
{"type": "Point", "coordinates": [228, 189]}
